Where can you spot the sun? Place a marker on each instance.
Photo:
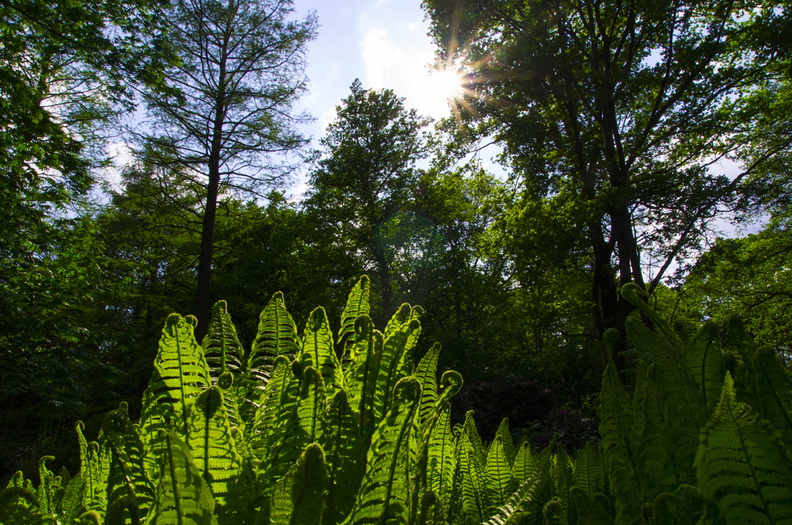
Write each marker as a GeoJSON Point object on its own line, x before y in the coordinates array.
{"type": "Point", "coordinates": [437, 91]}
{"type": "Point", "coordinates": [446, 84]}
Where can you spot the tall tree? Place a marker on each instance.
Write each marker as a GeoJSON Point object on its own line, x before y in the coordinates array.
{"type": "Point", "coordinates": [365, 176]}
{"type": "Point", "coordinates": [223, 110]}
{"type": "Point", "coordinates": [612, 113]}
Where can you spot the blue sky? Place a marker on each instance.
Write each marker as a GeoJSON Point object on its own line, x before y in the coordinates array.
{"type": "Point", "coordinates": [382, 42]}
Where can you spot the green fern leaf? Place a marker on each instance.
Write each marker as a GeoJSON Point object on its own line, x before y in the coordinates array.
{"type": "Point", "coordinates": [743, 464]}
{"type": "Point", "coordinates": [317, 350]}
{"type": "Point", "coordinates": [223, 351]}
{"type": "Point", "coordinates": [524, 463]}
{"type": "Point", "coordinates": [94, 469]}
{"type": "Point", "coordinates": [703, 359]}
{"type": "Point", "coordinates": [18, 505]}
{"type": "Point", "coordinates": [277, 336]}
{"type": "Point", "coordinates": [357, 304]}
{"type": "Point", "coordinates": [345, 456]}
{"type": "Point", "coordinates": [590, 512]}
{"type": "Point", "coordinates": [71, 503]}
{"type": "Point", "coordinates": [363, 371]}
{"type": "Point", "coordinates": [681, 402]}
{"type": "Point", "coordinates": [590, 473]}
{"type": "Point", "coordinates": [212, 446]}
{"type": "Point", "coordinates": [475, 439]}
{"type": "Point", "coordinates": [395, 351]}
{"type": "Point", "coordinates": [441, 457]}
{"type": "Point", "coordinates": [45, 493]}
{"type": "Point", "coordinates": [655, 467]}
{"type": "Point", "coordinates": [508, 442]}
{"type": "Point", "coordinates": [299, 498]}
{"type": "Point", "coordinates": [682, 507]}
{"type": "Point", "coordinates": [304, 425]}
{"type": "Point", "coordinates": [274, 406]}
{"type": "Point", "coordinates": [432, 511]}
{"type": "Point", "coordinates": [183, 497]}
{"type": "Point", "coordinates": [180, 375]}
{"type": "Point", "coordinates": [499, 480]}
{"type": "Point", "coordinates": [426, 374]}
{"type": "Point", "coordinates": [384, 496]}
{"type": "Point", "coordinates": [475, 500]}
{"type": "Point", "coordinates": [774, 392]}
{"type": "Point", "coordinates": [127, 477]}
{"type": "Point", "coordinates": [615, 423]}
{"type": "Point", "coordinates": [514, 511]}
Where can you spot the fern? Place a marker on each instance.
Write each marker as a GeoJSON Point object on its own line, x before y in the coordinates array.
{"type": "Point", "coordinates": [222, 349]}
{"type": "Point", "coordinates": [345, 456]}
{"type": "Point", "coordinates": [180, 375]}
{"type": "Point", "coordinates": [299, 498]}
{"type": "Point", "coordinates": [426, 374]}
{"type": "Point", "coordinates": [703, 358]}
{"type": "Point", "coordinates": [317, 350]}
{"type": "Point", "coordinates": [126, 479]}
{"type": "Point", "coordinates": [615, 421]}
{"type": "Point", "coordinates": [277, 336]}
{"type": "Point", "coordinates": [774, 392]}
{"type": "Point", "coordinates": [357, 304]}
{"type": "Point", "coordinates": [212, 446]}
{"type": "Point", "coordinates": [743, 465]}
{"type": "Point", "coordinates": [384, 495]}
{"type": "Point", "coordinates": [524, 463]}
{"type": "Point", "coordinates": [441, 458]}
{"type": "Point", "coordinates": [499, 480]}
{"type": "Point", "coordinates": [363, 372]}
{"type": "Point", "coordinates": [182, 494]}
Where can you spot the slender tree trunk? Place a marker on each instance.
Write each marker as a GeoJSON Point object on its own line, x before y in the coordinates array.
{"type": "Point", "coordinates": [203, 292]}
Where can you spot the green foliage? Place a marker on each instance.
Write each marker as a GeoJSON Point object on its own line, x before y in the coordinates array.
{"type": "Point", "coordinates": [324, 445]}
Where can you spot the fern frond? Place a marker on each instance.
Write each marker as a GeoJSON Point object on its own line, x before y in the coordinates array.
{"type": "Point", "coordinates": [426, 374]}
{"type": "Point", "coordinates": [299, 498]}
{"type": "Point", "coordinates": [384, 496]}
{"type": "Point", "coordinates": [396, 349]}
{"type": "Point", "coordinates": [518, 502]}
{"type": "Point", "coordinates": [703, 359]}
{"type": "Point", "coordinates": [277, 336]}
{"type": "Point", "coordinates": [345, 456]}
{"type": "Point", "coordinates": [681, 402]}
{"type": "Point", "coordinates": [774, 392]}
{"type": "Point", "coordinates": [743, 464]}
{"type": "Point", "coordinates": [524, 463]}
{"type": "Point", "coordinates": [303, 425]}
{"type": "Point", "coordinates": [318, 352]}
{"type": "Point", "coordinates": [499, 480]}
{"type": "Point", "coordinates": [94, 469]}
{"type": "Point", "coordinates": [274, 406]}
{"type": "Point", "coordinates": [475, 439]}
{"type": "Point", "coordinates": [615, 422]}
{"type": "Point", "coordinates": [508, 442]}
{"type": "Point", "coordinates": [363, 372]}
{"type": "Point", "coordinates": [476, 502]}
{"type": "Point", "coordinates": [212, 446]}
{"type": "Point", "coordinates": [357, 304]}
{"type": "Point", "coordinates": [180, 375]}
{"type": "Point", "coordinates": [182, 494]}
{"type": "Point", "coordinates": [441, 457]}
{"type": "Point", "coordinates": [590, 512]}
{"type": "Point", "coordinates": [590, 473]}
{"type": "Point", "coordinates": [684, 506]}
{"type": "Point", "coordinates": [222, 349]}
{"type": "Point", "coordinates": [127, 476]}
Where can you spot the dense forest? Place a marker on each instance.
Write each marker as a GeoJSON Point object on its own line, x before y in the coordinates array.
{"type": "Point", "coordinates": [638, 140]}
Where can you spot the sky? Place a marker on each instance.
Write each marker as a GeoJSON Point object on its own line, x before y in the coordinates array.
{"type": "Point", "coordinates": [384, 43]}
